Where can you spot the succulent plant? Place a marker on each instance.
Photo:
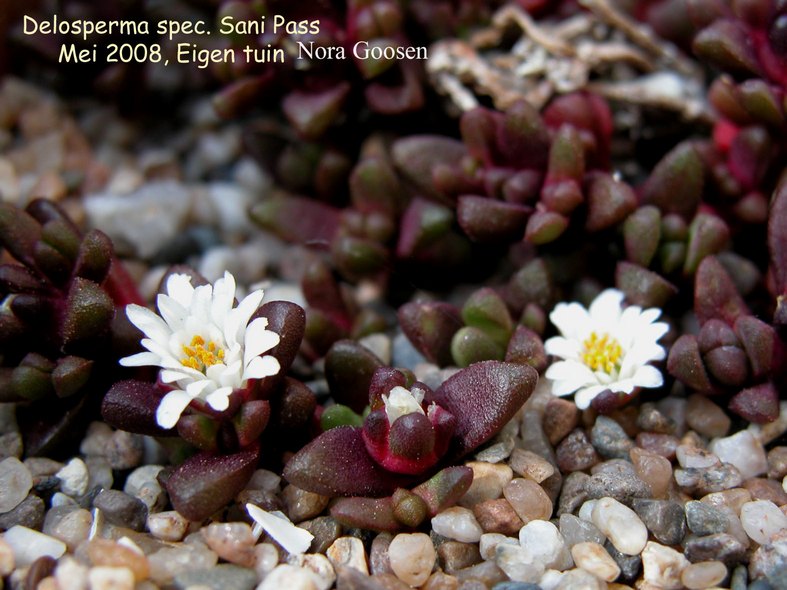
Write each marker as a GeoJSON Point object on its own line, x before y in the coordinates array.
{"type": "Point", "coordinates": [61, 330]}
{"type": "Point", "coordinates": [216, 389]}
{"type": "Point", "coordinates": [409, 434]}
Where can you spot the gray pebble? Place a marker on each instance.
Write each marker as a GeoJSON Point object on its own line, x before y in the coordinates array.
{"type": "Point", "coordinates": [609, 439]}
{"type": "Point", "coordinates": [29, 513]}
{"type": "Point", "coordinates": [704, 519]}
{"type": "Point", "coordinates": [575, 530]}
{"type": "Point", "coordinates": [120, 509]}
{"type": "Point", "coordinates": [721, 546]}
{"type": "Point", "coordinates": [224, 576]}
{"type": "Point", "coordinates": [702, 481]}
{"type": "Point", "coordinates": [762, 584]}
{"type": "Point", "coordinates": [379, 561]}
{"type": "Point", "coordinates": [630, 565]}
{"type": "Point", "coordinates": [349, 578]}
{"type": "Point", "coordinates": [650, 419]}
{"type": "Point", "coordinates": [740, 578]}
{"type": "Point", "coordinates": [325, 530]}
{"type": "Point", "coordinates": [10, 445]}
{"type": "Point", "coordinates": [573, 494]}
{"type": "Point", "coordinates": [664, 518]}
{"type": "Point", "coordinates": [516, 586]}
{"type": "Point", "coordinates": [404, 354]}
{"type": "Point", "coordinates": [623, 487]}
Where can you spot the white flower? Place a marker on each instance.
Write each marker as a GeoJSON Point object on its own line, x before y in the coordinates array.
{"type": "Point", "coordinates": [604, 347]}
{"type": "Point", "coordinates": [205, 347]}
{"type": "Point", "coordinates": [401, 401]}
{"type": "Point", "coordinates": [294, 539]}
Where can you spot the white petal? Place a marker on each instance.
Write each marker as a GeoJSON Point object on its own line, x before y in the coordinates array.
{"type": "Point", "coordinates": [648, 376]}
{"type": "Point", "coordinates": [563, 347]}
{"type": "Point", "coordinates": [294, 539]}
{"type": "Point", "coordinates": [172, 311]}
{"type": "Point", "coordinates": [197, 388]}
{"type": "Point", "coordinates": [232, 375]}
{"type": "Point", "coordinates": [147, 321]}
{"type": "Point", "coordinates": [572, 320]}
{"type": "Point", "coordinates": [606, 308]}
{"type": "Point", "coordinates": [584, 396]}
{"type": "Point", "coordinates": [258, 339]}
{"type": "Point", "coordinates": [141, 359]}
{"type": "Point", "coordinates": [171, 407]}
{"type": "Point", "coordinates": [157, 348]}
{"type": "Point", "coordinates": [179, 287]}
{"type": "Point", "coordinates": [238, 318]}
{"type": "Point", "coordinates": [400, 402]}
{"type": "Point", "coordinates": [219, 400]}
{"type": "Point", "coordinates": [172, 375]}
{"type": "Point", "coordinates": [223, 298]}
{"type": "Point", "coordinates": [568, 376]}
{"type": "Point", "coordinates": [260, 367]}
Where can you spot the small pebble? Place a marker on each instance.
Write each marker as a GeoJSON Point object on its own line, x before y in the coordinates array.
{"type": "Point", "coordinates": [71, 574]}
{"type": "Point", "coordinates": [15, 483]}
{"type": "Point", "coordinates": [705, 417]}
{"type": "Point", "coordinates": [318, 566]}
{"type": "Point", "coordinates": [29, 513]}
{"type": "Point", "coordinates": [623, 486]}
{"type": "Point", "coordinates": [762, 519]}
{"type": "Point", "coordinates": [453, 555]}
{"type": "Point", "coordinates": [593, 558]}
{"type": "Point", "coordinates": [662, 566]}
{"type": "Point", "coordinates": [652, 420]}
{"type": "Point", "coordinates": [457, 523]}
{"type": "Point", "coordinates": [412, 557]}
{"type": "Point", "coordinates": [665, 519]}
{"type": "Point", "coordinates": [766, 489]}
{"type": "Point", "coordinates": [70, 524]}
{"type": "Point", "coordinates": [142, 483]}
{"type": "Point", "coordinates": [621, 525]}
{"type": "Point", "coordinates": [110, 578]}
{"type": "Point", "coordinates": [575, 530]}
{"type": "Point", "coordinates": [528, 499]}
{"type": "Point", "coordinates": [325, 530]}
{"type": "Point", "coordinates": [660, 444]}
{"type": "Point", "coordinates": [708, 480]}
{"type": "Point", "coordinates": [497, 516]}
{"type": "Point", "coordinates": [721, 546]}
{"type": "Point", "coordinates": [497, 452]}
{"type": "Point", "coordinates": [167, 563]}
{"type": "Point", "coordinates": [543, 540]}
{"type": "Point", "coordinates": [690, 456]}
{"type": "Point", "coordinates": [489, 542]}
{"type": "Point", "coordinates": [572, 494]}
{"type": "Point", "coordinates": [266, 558]}
{"type": "Point", "coordinates": [232, 541]}
{"type": "Point", "coordinates": [379, 562]}
{"type": "Point", "coordinates": [530, 465]}
{"type": "Point", "coordinates": [224, 576]}
{"type": "Point", "coordinates": [704, 519]}
{"type": "Point", "coordinates": [28, 545]}
{"type": "Point", "coordinates": [777, 462]}
{"type": "Point", "coordinates": [103, 552]}
{"type": "Point", "coordinates": [705, 574]}
{"type": "Point", "coordinates": [489, 479]}
{"type": "Point", "coordinates": [575, 453]}
{"type": "Point", "coordinates": [560, 417]}
{"type": "Point", "coordinates": [653, 469]}
{"type": "Point", "coordinates": [6, 558]}
{"type": "Point", "coordinates": [609, 439]}
{"type": "Point", "coordinates": [303, 505]}
{"type": "Point", "coordinates": [630, 565]}
{"type": "Point", "coordinates": [167, 526]}
{"type": "Point", "coordinates": [348, 551]}
{"type": "Point", "coordinates": [518, 563]}
{"type": "Point", "coordinates": [743, 451]}
{"type": "Point", "coordinates": [121, 509]}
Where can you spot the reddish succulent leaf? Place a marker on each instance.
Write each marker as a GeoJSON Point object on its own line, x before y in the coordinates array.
{"type": "Point", "coordinates": [205, 483]}
{"type": "Point", "coordinates": [685, 364]}
{"type": "Point", "coordinates": [288, 320]}
{"type": "Point", "coordinates": [759, 341]}
{"type": "Point", "coordinates": [393, 100]}
{"type": "Point", "coordinates": [715, 295]}
{"type": "Point", "coordinates": [675, 185]}
{"type": "Point", "coordinates": [444, 489]}
{"type": "Point", "coordinates": [297, 219]}
{"type": "Point", "coordinates": [483, 398]}
{"type": "Point", "coordinates": [758, 404]}
{"type": "Point", "coordinates": [777, 236]}
{"type": "Point", "coordinates": [375, 514]}
{"type": "Point", "coordinates": [643, 287]}
{"type": "Point", "coordinates": [609, 202]}
{"type": "Point", "coordinates": [430, 326]}
{"type": "Point", "coordinates": [337, 464]}
{"type": "Point", "coordinates": [726, 44]}
{"type": "Point", "coordinates": [131, 405]}
{"type": "Point", "coordinates": [416, 156]}
{"type": "Point", "coordinates": [488, 220]}
{"type": "Point", "coordinates": [311, 114]}
{"type": "Point", "coordinates": [349, 368]}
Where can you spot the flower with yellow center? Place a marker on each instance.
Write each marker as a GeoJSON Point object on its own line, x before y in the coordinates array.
{"type": "Point", "coordinates": [604, 347]}
{"type": "Point", "coordinates": [206, 347]}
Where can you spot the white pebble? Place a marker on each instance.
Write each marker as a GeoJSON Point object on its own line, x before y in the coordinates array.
{"type": "Point", "coordinates": [73, 477]}
{"type": "Point", "coordinates": [621, 525]}
{"type": "Point", "coordinates": [743, 451]}
{"type": "Point", "coordinates": [142, 483]}
{"type": "Point", "coordinates": [6, 558]}
{"type": "Point", "coordinates": [593, 558]}
{"type": "Point", "coordinates": [459, 524]}
{"type": "Point", "coordinates": [662, 566]}
{"type": "Point", "coordinates": [28, 545]}
{"type": "Point", "coordinates": [586, 510]}
{"type": "Point", "coordinates": [412, 557]}
{"type": "Point", "coordinates": [690, 456]}
{"type": "Point", "coordinates": [288, 576]}
{"type": "Point", "coordinates": [348, 551]}
{"type": "Point", "coordinates": [167, 526]}
{"type": "Point", "coordinates": [318, 566]}
{"type": "Point", "coordinates": [110, 578]}
{"type": "Point", "coordinates": [490, 541]}
{"type": "Point", "coordinates": [15, 483]}
{"type": "Point", "coordinates": [518, 563]}
{"type": "Point", "coordinates": [761, 519]}
{"type": "Point", "coordinates": [544, 541]}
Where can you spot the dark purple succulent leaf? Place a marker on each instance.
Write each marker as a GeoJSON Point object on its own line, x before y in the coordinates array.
{"type": "Point", "coordinates": [483, 398]}
{"type": "Point", "coordinates": [71, 375]}
{"type": "Point", "coordinates": [18, 279]}
{"type": "Point", "coordinates": [743, 272]}
{"type": "Point", "coordinates": [384, 380]}
{"type": "Point", "coordinates": [532, 283]}
{"type": "Point", "coordinates": [522, 137]}
{"type": "Point", "coordinates": [445, 488]}
{"type": "Point", "coordinates": [777, 236]}
{"type": "Point", "coordinates": [61, 235]}
{"type": "Point", "coordinates": [297, 219]}
{"type": "Point", "coordinates": [322, 292]}
{"type": "Point", "coordinates": [609, 401]}
{"type": "Point", "coordinates": [288, 320]}
{"type": "Point", "coordinates": [19, 233]}
{"type": "Point", "coordinates": [566, 157]}
{"type": "Point", "coordinates": [726, 44]}
{"type": "Point", "coordinates": [252, 419]}
{"type": "Point", "coordinates": [750, 156]}
{"type": "Point", "coordinates": [88, 313]}
{"type": "Point", "coordinates": [349, 368]}
{"type": "Point", "coordinates": [407, 96]}
{"type": "Point", "coordinates": [760, 343]}
{"type": "Point", "coordinates": [479, 128]}
{"type": "Point", "coordinates": [422, 224]}
{"type": "Point", "coordinates": [356, 258]}
{"type": "Point", "coordinates": [54, 429]}
{"type": "Point", "coordinates": [685, 364]}
{"type": "Point", "coordinates": [609, 202]}
{"type": "Point", "coordinates": [643, 287]}
{"type": "Point", "coordinates": [526, 347]}
{"type": "Point", "coordinates": [95, 257]}
{"type": "Point", "coordinates": [374, 187]}
{"type": "Point", "coordinates": [374, 514]}
{"type": "Point", "coordinates": [715, 295]}
{"type": "Point", "coordinates": [416, 156]}
{"type": "Point", "coordinates": [205, 483]}
{"type": "Point", "coordinates": [490, 221]}
{"type": "Point", "coordinates": [715, 333]}
{"type": "Point", "coordinates": [762, 102]}
{"type": "Point", "coordinates": [544, 227]}
{"type": "Point", "coordinates": [728, 364]}
{"type": "Point", "coordinates": [321, 332]}
{"type": "Point", "coordinates": [295, 408]}
{"type": "Point", "coordinates": [51, 263]}
{"type": "Point", "coordinates": [758, 404]}
{"type": "Point", "coordinates": [32, 378]}
{"type": "Point", "coordinates": [561, 196]}
{"type": "Point", "coordinates": [430, 326]}
{"type": "Point", "coordinates": [199, 430]}
{"type": "Point", "coordinates": [676, 183]}
{"type": "Point", "coordinates": [523, 186]}
{"type": "Point", "coordinates": [471, 345]}
{"type": "Point", "coordinates": [241, 94]}
{"type": "Point", "coordinates": [337, 464]}
{"type": "Point", "coordinates": [131, 405]}
{"type": "Point", "coordinates": [487, 311]}
{"type": "Point", "coordinates": [591, 116]}
{"type": "Point", "coordinates": [312, 113]}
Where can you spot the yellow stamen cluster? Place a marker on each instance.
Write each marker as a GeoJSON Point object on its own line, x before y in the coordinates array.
{"type": "Point", "coordinates": [199, 356]}
{"type": "Point", "coordinates": [601, 353]}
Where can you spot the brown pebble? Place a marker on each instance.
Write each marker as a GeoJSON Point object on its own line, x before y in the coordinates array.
{"type": "Point", "coordinates": [560, 417]}
{"type": "Point", "coordinates": [498, 516]}
{"type": "Point", "coordinates": [390, 582]}
{"type": "Point", "coordinates": [733, 499]}
{"type": "Point", "coordinates": [529, 464]}
{"type": "Point", "coordinates": [49, 186]}
{"type": "Point", "coordinates": [653, 469]}
{"type": "Point", "coordinates": [103, 552]}
{"type": "Point", "coordinates": [302, 505]}
{"type": "Point", "coordinates": [441, 581]}
{"type": "Point", "coordinates": [661, 444]}
{"type": "Point", "coordinates": [650, 419]}
{"type": "Point", "coordinates": [575, 453]}
{"type": "Point", "coordinates": [777, 462]}
{"type": "Point", "coordinates": [766, 489]}
{"type": "Point", "coordinates": [706, 417]}
{"type": "Point", "coordinates": [456, 556]}
{"type": "Point", "coordinates": [528, 499]}
{"type": "Point", "coordinates": [41, 568]}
